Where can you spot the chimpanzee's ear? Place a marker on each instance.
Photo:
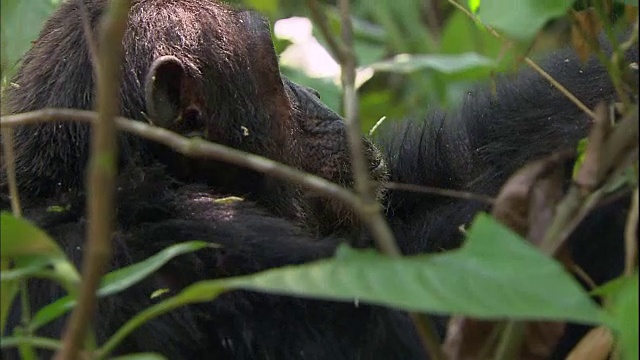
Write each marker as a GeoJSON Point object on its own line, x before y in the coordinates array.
{"type": "Point", "coordinates": [163, 90]}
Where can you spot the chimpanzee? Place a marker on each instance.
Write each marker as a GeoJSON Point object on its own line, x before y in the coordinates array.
{"type": "Point", "coordinates": [213, 75]}
{"type": "Point", "coordinates": [204, 69]}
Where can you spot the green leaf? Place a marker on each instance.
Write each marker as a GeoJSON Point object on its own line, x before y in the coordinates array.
{"type": "Point", "coordinates": [610, 287]}
{"type": "Point", "coordinates": [33, 267]}
{"type": "Point", "coordinates": [199, 292]}
{"type": "Point", "coordinates": [118, 280]}
{"type": "Point", "coordinates": [405, 63]}
{"type": "Point", "coordinates": [31, 249]}
{"type": "Point", "coordinates": [495, 275]}
{"type": "Point", "coordinates": [521, 19]}
{"type": "Point", "coordinates": [30, 341]}
{"type": "Point", "coordinates": [124, 278]}
{"type": "Point", "coordinates": [473, 5]}
{"type": "Point", "coordinates": [20, 238]}
{"type": "Point", "coordinates": [624, 307]}
{"type": "Point", "coordinates": [8, 292]}
{"type": "Point", "coordinates": [582, 152]}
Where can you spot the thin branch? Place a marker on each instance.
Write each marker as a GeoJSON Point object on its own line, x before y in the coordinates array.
{"type": "Point", "coordinates": [633, 38]}
{"type": "Point", "coordinates": [510, 341]}
{"type": "Point", "coordinates": [338, 49]}
{"type": "Point", "coordinates": [561, 88]}
{"type": "Point", "coordinates": [34, 341]}
{"type": "Point", "coordinates": [375, 220]}
{"type": "Point", "coordinates": [195, 147]}
{"type": "Point", "coordinates": [631, 236]}
{"type": "Point", "coordinates": [457, 194]}
{"type": "Point", "coordinates": [576, 204]}
{"type": "Point", "coordinates": [10, 167]}
{"type": "Point", "coordinates": [102, 176]}
{"type": "Point", "coordinates": [89, 37]}
{"type": "Point", "coordinates": [532, 64]}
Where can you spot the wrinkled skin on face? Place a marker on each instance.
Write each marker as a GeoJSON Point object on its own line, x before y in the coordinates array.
{"type": "Point", "coordinates": [325, 142]}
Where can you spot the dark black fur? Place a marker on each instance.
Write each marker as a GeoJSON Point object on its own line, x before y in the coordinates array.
{"type": "Point", "coordinates": [238, 85]}
{"type": "Point", "coordinates": [196, 67]}
{"type": "Point", "coordinates": [238, 325]}
{"type": "Point", "coordinates": [491, 136]}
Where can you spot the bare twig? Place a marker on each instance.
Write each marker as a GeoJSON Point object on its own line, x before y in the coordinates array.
{"type": "Point", "coordinates": [372, 215]}
{"type": "Point", "coordinates": [35, 341]}
{"type": "Point", "coordinates": [457, 194]}
{"type": "Point", "coordinates": [89, 37]}
{"type": "Point", "coordinates": [102, 176]}
{"type": "Point", "coordinates": [510, 340]}
{"type": "Point", "coordinates": [196, 147]}
{"type": "Point", "coordinates": [10, 167]}
{"type": "Point", "coordinates": [433, 17]}
{"type": "Point", "coordinates": [375, 220]}
{"type": "Point", "coordinates": [631, 237]}
{"type": "Point", "coordinates": [532, 64]}
{"type": "Point", "coordinates": [337, 48]}
{"type": "Point", "coordinates": [561, 88]}
{"type": "Point", "coordinates": [633, 38]}
{"type": "Point", "coordinates": [577, 204]}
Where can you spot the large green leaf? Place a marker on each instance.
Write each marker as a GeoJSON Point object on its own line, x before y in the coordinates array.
{"type": "Point", "coordinates": [21, 238]}
{"type": "Point", "coordinates": [521, 19]}
{"type": "Point", "coordinates": [30, 250]}
{"type": "Point", "coordinates": [8, 292]}
{"type": "Point", "coordinates": [495, 275]}
{"type": "Point", "coordinates": [118, 280]}
{"type": "Point", "coordinates": [624, 307]}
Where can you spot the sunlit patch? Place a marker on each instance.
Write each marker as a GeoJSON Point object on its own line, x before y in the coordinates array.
{"type": "Point", "coordinates": [228, 200]}
{"type": "Point", "coordinates": [308, 55]}
{"type": "Point", "coordinates": [226, 211]}
{"type": "Point", "coordinates": [305, 53]}
{"type": "Point", "coordinates": [58, 208]}
{"type": "Point", "coordinates": [159, 293]}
